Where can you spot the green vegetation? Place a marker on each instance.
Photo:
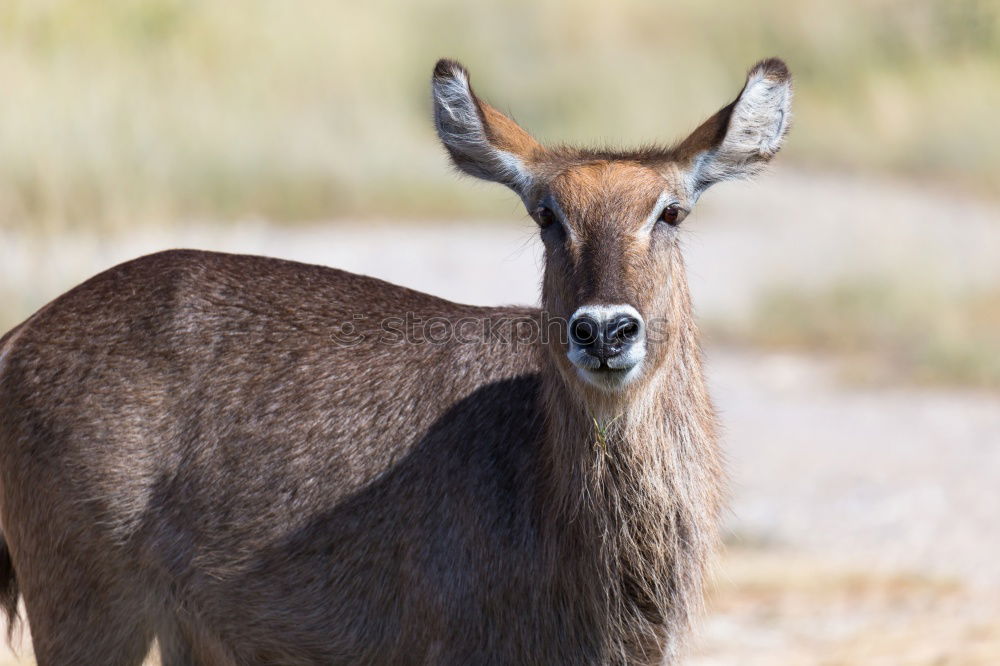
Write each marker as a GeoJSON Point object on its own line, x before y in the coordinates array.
{"type": "Point", "coordinates": [126, 112]}
{"type": "Point", "coordinates": [886, 331]}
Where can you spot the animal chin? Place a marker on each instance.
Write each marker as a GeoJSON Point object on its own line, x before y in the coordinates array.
{"type": "Point", "coordinates": [609, 379]}
{"type": "Point", "coordinates": [611, 374]}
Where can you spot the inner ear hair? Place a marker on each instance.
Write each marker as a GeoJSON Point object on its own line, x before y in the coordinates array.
{"type": "Point", "coordinates": [481, 141]}
{"type": "Point", "coordinates": [743, 136]}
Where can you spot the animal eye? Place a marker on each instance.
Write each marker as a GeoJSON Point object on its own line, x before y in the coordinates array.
{"type": "Point", "coordinates": [544, 216]}
{"type": "Point", "coordinates": [672, 215]}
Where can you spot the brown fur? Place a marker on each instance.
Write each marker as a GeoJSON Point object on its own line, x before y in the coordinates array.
{"type": "Point", "coordinates": [188, 453]}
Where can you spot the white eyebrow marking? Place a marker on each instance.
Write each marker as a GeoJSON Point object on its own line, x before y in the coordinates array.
{"type": "Point", "coordinates": [551, 202]}
{"type": "Point", "coordinates": [647, 226]}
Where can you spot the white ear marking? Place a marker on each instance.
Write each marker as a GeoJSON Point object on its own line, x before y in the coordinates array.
{"type": "Point", "coordinates": [461, 129]}
{"type": "Point", "coordinates": [755, 127]}
{"type": "Point", "coordinates": [760, 117]}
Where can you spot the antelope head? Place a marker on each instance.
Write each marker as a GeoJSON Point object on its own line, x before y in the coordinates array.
{"type": "Point", "coordinates": [609, 219]}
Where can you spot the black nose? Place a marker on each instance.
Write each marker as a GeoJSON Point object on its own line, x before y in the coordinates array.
{"type": "Point", "coordinates": [585, 331]}
{"type": "Point", "coordinates": [622, 330]}
{"type": "Point", "coordinates": [608, 338]}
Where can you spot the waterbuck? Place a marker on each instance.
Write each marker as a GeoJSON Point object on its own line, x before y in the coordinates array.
{"type": "Point", "coordinates": [254, 461]}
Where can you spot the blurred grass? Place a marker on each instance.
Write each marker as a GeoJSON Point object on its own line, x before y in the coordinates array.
{"type": "Point", "coordinates": [887, 331]}
{"type": "Point", "coordinates": [127, 112]}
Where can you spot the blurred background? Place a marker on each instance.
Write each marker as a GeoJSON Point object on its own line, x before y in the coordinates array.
{"type": "Point", "coordinates": [850, 298]}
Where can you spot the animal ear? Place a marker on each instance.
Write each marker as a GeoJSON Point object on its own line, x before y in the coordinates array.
{"type": "Point", "coordinates": [739, 140]}
{"type": "Point", "coordinates": [482, 141]}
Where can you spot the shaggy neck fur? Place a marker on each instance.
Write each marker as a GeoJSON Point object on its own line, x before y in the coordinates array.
{"type": "Point", "coordinates": [631, 495]}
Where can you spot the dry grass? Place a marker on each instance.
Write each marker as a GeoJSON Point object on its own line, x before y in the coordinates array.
{"type": "Point", "coordinates": [127, 112]}
{"type": "Point", "coordinates": [886, 331]}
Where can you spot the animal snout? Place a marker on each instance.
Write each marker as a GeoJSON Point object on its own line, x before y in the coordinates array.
{"type": "Point", "coordinates": [606, 337]}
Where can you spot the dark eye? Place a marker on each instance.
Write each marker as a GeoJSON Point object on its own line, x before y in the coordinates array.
{"type": "Point", "coordinates": [672, 215]}
{"type": "Point", "coordinates": [544, 216]}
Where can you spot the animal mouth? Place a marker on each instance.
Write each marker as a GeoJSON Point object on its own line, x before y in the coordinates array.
{"type": "Point", "coordinates": [608, 378]}
{"type": "Point", "coordinates": [605, 369]}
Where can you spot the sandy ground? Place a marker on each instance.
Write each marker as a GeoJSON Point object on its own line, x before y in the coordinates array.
{"type": "Point", "coordinates": [865, 523]}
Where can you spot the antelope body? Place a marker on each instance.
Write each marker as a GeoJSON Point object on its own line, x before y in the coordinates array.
{"type": "Point", "coordinates": [195, 449]}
